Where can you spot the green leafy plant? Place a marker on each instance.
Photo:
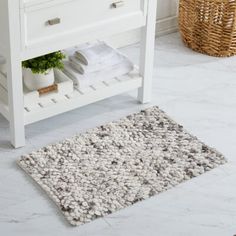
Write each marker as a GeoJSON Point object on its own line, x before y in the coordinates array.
{"type": "Point", "coordinates": [40, 65]}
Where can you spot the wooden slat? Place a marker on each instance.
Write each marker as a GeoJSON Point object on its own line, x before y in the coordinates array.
{"type": "Point", "coordinates": [48, 89]}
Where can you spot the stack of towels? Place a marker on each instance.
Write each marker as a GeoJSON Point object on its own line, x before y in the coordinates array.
{"type": "Point", "coordinates": [94, 62]}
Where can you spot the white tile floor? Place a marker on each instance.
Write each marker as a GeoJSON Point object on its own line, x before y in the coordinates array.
{"type": "Point", "coordinates": [197, 91]}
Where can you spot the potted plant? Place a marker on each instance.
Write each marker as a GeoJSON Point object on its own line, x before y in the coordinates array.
{"type": "Point", "coordinates": [38, 72]}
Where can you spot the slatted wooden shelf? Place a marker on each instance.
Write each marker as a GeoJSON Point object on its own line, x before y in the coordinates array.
{"type": "Point", "coordinates": [79, 98]}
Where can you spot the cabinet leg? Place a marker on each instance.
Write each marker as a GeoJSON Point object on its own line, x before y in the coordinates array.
{"type": "Point", "coordinates": [15, 103]}
{"type": "Point", "coordinates": [147, 53]}
{"type": "Point", "coordinates": [14, 75]}
{"type": "Point", "coordinates": [17, 135]}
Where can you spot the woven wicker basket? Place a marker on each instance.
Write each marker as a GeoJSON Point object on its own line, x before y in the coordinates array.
{"type": "Point", "coordinates": [209, 26]}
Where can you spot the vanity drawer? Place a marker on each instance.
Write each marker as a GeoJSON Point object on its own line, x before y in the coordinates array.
{"type": "Point", "coordinates": [52, 20]}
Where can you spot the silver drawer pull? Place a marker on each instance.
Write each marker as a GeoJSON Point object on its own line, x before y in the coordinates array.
{"type": "Point", "coordinates": [54, 21]}
{"type": "Point", "coordinates": [117, 4]}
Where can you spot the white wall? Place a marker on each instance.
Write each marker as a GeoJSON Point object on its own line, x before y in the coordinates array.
{"type": "Point", "coordinates": [166, 23]}
{"type": "Point", "coordinates": [166, 8]}
{"type": "Point", "coordinates": [167, 11]}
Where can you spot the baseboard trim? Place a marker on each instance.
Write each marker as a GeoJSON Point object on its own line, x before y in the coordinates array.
{"type": "Point", "coordinates": [163, 26]}
{"type": "Point", "coordinates": [166, 25]}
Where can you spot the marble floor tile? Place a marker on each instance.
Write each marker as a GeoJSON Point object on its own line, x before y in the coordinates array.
{"type": "Point", "coordinates": [197, 91]}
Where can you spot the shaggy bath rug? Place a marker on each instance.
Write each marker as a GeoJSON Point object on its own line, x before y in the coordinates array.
{"type": "Point", "coordinates": [118, 164]}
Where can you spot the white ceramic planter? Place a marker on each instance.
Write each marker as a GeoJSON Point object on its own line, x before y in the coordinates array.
{"type": "Point", "coordinates": [37, 81]}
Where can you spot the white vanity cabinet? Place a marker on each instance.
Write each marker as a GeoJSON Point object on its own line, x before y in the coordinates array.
{"type": "Point", "coordinates": [30, 28]}
{"type": "Point", "coordinates": [78, 20]}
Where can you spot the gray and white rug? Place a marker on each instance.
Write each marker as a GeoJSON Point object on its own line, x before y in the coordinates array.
{"type": "Point", "coordinates": [118, 164]}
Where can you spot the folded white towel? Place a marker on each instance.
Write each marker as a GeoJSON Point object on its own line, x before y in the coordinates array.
{"type": "Point", "coordinates": [116, 58]}
{"type": "Point", "coordinates": [90, 54]}
{"type": "Point", "coordinates": [90, 63]}
{"type": "Point", "coordinates": [79, 81]}
{"type": "Point", "coordinates": [83, 81]}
